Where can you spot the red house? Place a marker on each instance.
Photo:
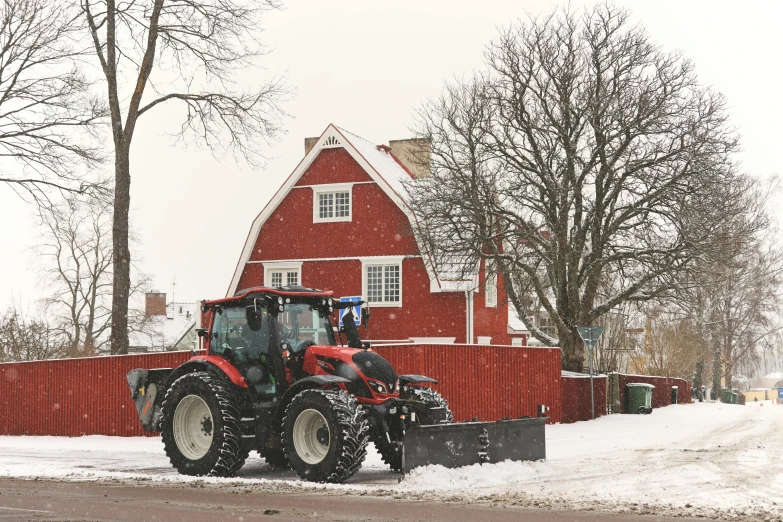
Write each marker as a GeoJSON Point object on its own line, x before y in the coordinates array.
{"type": "Point", "coordinates": [340, 222]}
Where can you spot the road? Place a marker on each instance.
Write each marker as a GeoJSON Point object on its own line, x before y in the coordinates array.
{"type": "Point", "coordinates": [41, 500]}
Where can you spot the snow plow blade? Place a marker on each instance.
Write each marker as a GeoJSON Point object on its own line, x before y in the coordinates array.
{"type": "Point", "coordinates": [144, 388]}
{"type": "Point", "coordinates": [466, 443]}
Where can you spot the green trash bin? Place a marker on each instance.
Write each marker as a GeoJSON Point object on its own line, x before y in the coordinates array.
{"type": "Point", "coordinates": [638, 397]}
{"type": "Point", "coordinates": [728, 396]}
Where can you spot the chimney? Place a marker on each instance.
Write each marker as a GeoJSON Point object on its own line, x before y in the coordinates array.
{"type": "Point", "coordinates": [154, 304]}
{"type": "Point", "coordinates": [414, 153]}
{"type": "Point", "coordinates": [309, 143]}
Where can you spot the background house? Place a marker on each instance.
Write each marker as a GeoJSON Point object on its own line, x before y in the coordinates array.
{"type": "Point", "coordinates": [166, 327]}
{"type": "Point", "coordinates": [341, 222]}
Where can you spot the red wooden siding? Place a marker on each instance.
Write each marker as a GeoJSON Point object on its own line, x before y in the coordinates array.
{"type": "Point", "coordinates": [488, 382]}
{"type": "Point", "coordinates": [575, 398]}
{"type": "Point", "coordinates": [377, 228]}
{"type": "Point", "coordinates": [662, 394]}
{"type": "Point", "coordinates": [74, 397]}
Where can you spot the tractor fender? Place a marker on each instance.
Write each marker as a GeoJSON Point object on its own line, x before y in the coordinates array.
{"type": "Point", "coordinates": [314, 381]}
{"type": "Point", "coordinates": [210, 363]}
{"type": "Point", "coordinates": [415, 379]}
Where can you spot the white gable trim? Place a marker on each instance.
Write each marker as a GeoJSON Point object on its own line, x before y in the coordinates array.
{"type": "Point", "coordinates": [331, 138]}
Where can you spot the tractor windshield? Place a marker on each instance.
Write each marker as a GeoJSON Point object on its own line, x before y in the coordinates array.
{"type": "Point", "coordinates": [300, 322]}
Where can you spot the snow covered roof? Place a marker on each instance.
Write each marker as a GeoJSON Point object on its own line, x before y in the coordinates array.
{"type": "Point", "coordinates": [774, 375]}
{"type": "Point", "coordinates": [381, 165]}
{"type": "Point", "coordinates": [163, 332]}
{"type": "Point", "coordinates": [514, 322]}
{"type": "Point", "coordinates": [382, 161]}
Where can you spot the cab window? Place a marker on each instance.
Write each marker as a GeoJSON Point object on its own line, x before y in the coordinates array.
{"type": "Point", "coordinates": [230, 331]}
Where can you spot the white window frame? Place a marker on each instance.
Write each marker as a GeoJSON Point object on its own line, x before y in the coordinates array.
{"type": "Point", "coordinates": [332, 188]}
{"type": "Point", "coordinates": [490, 288]}
{"type": "Point", "coordinates": [381, 261]}
{"type": "Point", "coordinates": [282, 266]}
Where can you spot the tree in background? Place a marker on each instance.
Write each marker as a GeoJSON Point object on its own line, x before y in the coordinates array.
{"type": "Point", "coordinates": [25, 339]}
{"type": "Point", "coordinates": [77, 261]}
{"type": "Point", "coordinates": [46, 113]}
{"type": "Point", "coordinates": [195, 48]}
{"type": "Point", "coordinates": [583, 150]}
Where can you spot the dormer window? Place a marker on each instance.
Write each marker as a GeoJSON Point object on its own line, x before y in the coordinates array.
{"type": "Point", "coordinates": [331, 203]}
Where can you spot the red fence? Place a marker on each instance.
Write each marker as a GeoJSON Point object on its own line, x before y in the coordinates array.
{"type": "Point", "coordinates": [662, 393]}
{"type": "Point", "coordinates": [73, 397]}
{"type": "Point", "coordinates": [575, 397]}
{"type": "Point", "coordinates": [488, 382]}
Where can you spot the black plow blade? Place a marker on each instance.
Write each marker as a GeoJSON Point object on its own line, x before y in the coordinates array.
{"type": "Point", "coordinates": [466, 443]}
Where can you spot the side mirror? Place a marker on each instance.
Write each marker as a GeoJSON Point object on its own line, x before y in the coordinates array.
{"type": "Point", "coordinates": [255, 317]}
{"type": "Point", "coordinates": [365, 316]}
{"type": "Point", "coordinates": [202, 332]}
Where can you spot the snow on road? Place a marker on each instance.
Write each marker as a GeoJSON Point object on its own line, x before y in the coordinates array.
{"type": "Point", "coordinates": [710, 460]}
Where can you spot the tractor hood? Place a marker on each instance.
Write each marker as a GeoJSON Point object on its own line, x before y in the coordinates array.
{"type": "Point", "coordinates": [369, 373]}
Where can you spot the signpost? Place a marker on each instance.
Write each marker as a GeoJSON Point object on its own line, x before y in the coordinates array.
{"type": "Point", "coordinates": [590, 335]}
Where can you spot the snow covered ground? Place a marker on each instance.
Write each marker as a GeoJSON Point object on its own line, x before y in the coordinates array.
{"type": "Point", "coordinates": [709, 460]}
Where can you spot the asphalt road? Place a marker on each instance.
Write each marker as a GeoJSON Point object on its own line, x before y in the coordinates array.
{"type": "Point", "coordinates": [22, 500]}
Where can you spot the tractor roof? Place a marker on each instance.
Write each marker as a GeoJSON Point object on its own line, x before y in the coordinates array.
{"type": "Point", "coordinates": [284, 291]}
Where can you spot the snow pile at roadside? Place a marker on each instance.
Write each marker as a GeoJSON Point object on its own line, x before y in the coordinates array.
{"type": "Point", "coordinates": [709, 460]}
{"type": "Point", "coordinates": [688, 458]}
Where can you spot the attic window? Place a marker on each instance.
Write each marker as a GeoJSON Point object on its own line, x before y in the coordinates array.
{"type": "Point", "coordinates": [331, 203]}
{"type": "Point", "coordinates": [331, 141]}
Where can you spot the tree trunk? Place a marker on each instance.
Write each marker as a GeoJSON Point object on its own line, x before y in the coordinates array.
{"type": "Point", "coordinates": [119, 307]}
{"type": "Point", "coordinates": [717, 371]}
{"type": "Point", "coordinates": [573, 351]}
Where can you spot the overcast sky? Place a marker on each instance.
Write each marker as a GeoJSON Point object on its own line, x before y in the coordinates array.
{"type": "Point", "coordinates": [365, 66]}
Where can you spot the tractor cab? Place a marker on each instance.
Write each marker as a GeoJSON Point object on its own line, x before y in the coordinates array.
{"type": "Point", "coordinates": [264, 332]}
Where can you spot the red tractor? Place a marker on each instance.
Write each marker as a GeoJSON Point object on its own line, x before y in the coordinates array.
{"type": "Point", "coordinates": [277, 378]}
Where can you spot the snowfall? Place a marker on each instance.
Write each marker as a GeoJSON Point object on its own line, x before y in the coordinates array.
{"type": "Point", "coordinates": [704, 460]}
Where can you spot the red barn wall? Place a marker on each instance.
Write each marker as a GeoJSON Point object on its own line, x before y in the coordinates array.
{"type": "Point", "coordinates": [575, 397]}
{"type": "Point", "coordinates": [378, 228]}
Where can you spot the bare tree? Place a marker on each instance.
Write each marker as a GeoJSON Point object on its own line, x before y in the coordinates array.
{"type": "Point", "coordinates": [25, 339]}
{"type": "Point", "coordinates": [46, 113]}
{"type": "Point", "coordinates": [583, 150]}
{"type": "Point", "coordinates": [196, 46]}
{"type": "Point", "coordinates": [732, 295]}
{"type": "Point", "coordinates": [77, 263]}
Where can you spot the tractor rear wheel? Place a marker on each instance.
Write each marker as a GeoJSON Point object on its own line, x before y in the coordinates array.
{"type": "Point", "coordinates": [200, 427]}
{"type": "Point", "coordinates": [325, 435]}
{"type": "Point", "coordinates": [430, 408]}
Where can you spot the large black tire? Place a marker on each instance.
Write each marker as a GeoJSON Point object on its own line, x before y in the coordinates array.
{"type": "Point", "coordinates": [200, 427]}
{"type": "Point", "coordinates": [430, 408]}
{"type": "Point", "coordinates": [325, 435]}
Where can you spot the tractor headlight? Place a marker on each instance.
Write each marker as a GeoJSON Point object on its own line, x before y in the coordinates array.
{"type": "Point", "coordinates": [397, 386]}
{"type": "Point", "coordinates": [281, 308]}
{"type": "Point", "coordinates": [378, 387]}
{"type": "Point", "coordinates": [279, 300]}
{"type": "Point", "coordinates": [287, 299]}
{"type": "Point", "coordinates": [331, 302]}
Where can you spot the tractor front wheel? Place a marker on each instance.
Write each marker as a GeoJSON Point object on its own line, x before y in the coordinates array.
{"type": "Point", "coordinates": [200, 427]}
{"type": "Point", "coordinates": [430, 408]}
{"type": "Point", "coordinates": [325, 435]}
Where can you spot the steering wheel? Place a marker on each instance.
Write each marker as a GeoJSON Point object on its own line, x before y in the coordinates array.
{"type": "Point", "coordinates": [302, 346]}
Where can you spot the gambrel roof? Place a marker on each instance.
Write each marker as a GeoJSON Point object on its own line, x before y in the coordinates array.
{"type": "Point", "coordinates": [381, 165]}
